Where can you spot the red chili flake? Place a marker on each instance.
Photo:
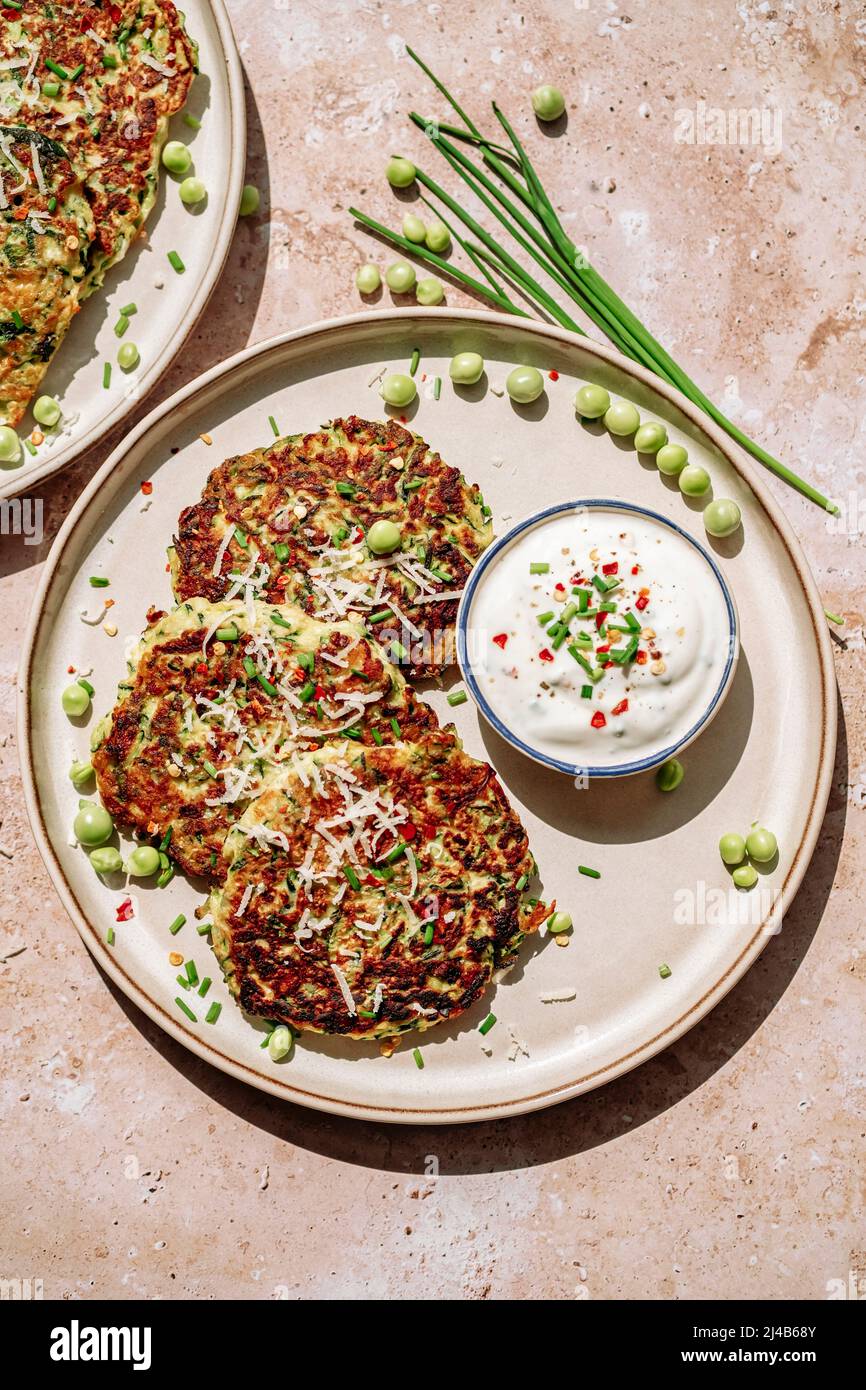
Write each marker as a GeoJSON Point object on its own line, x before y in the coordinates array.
{"type": "Point", "coordinates": [500, 639]}
{"type": "Point", "coordinates": [125, 910]}
{"type": "Point", "coordinates": [202, 668]}
{"type": "Point", "coordinates": [612, 568]}
{"type": "Point", "coordinates": [116, 13]}
{"type": "Point", "coordinates": [620, 708]}
{"type": "Point", "coordinates": [635, 569]}
{"type": "Point", "coordinates": [168, 569]}
{"type": "Point", "coordinates": [320, 692]}
{"type": "Point", "coordinates": [545, 655]}
{"type": "Point", "coordinates": [110, 602]}
{"type": "Point", "coordinates": [147, 489]}
{"type": "Point", "coordinates": [605, 664]}
{"type": "Point", "coordinates": [656, 656]}
{"type": "Point", "coordinates": [641, 658]}
{"type": "Point", "coordinates": [578, 579]}
{"type": "Point", "coordinates": [70, 670]}
{"type": "Point", "coordinates": [599, 650]}
{"type": "Point", "coordinates": [599, 619]}
{"type": "Point", "coordinates": [598, 720]}
{"type": "Point", "coordinates": [641, 603]}
{"type": "Point", "coordinates": [554, 375]}
{"type": "Point", "coordinates": [409, 831]}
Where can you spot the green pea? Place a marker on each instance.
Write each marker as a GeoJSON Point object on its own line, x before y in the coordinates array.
{"type": "Point", "coordinates": [75, 701]}
{"type": "Point", "coordinates": [429, 291]}
{"type": "Point", "coordinates": [560, 921]}
{"type": "Point", "coordinates": [398, 389]}
{"type": "Point", "coordinates": [383, 537]}
{"type": "Point", "coordinates": [746, 876]}
{"type": "Point", "coordinates": [192, 191]}
{"type": "Point", "coordinates": [80, 774]}
{"type": "Point", "coordinates": [399, 172]}
{"type": "Point", "coordinates": [10, 445]}
{"type": "Point", "coordinates": [694, 481]}
{"type": "Point", "coordinates": [650, 437]}
{"type": "Point", "coordinates": [466, 368]}
{"type": "Point", "coordinates": [47, 412]}
{"type": "Point", "coordinates": [669, 775]}
{"type": "Point", "coordinates": [128, 357]}
{"type": "Point", "coordinates": [367, 278]}
{"type": "Point", "coordinates": [251, 200]}
{"type": "Point", "coordinates": [107, 860]}
{"type": "Point", "coordinates": [671, 459]}
{"type": "Point", "coordinates": [143, 861]}
{"type": "Point", "coordinates": [524, 385]}
{"type": "Point", "coordinates": [414, 229]}
{"type": "Point", "coordinates": [591, 402]}
{"type": "Point", "coordinates": [721, 517]}
{"type": "Point", "coordinates": [176, 157]}
{"type": "Point", "coordinates": [438, 237]}
{"type": "Point", "coordinates": [400, 277]}
{"type": "Point", "coordinates": [732, 848]}
{"type": "Point", "coordinates": [548, 103]}
{"type": "Point", "coordinates": [761, 845]}
{"type": "Point", "coordinates": [622, 418]}
{"type": "Point", "coordinates": [93, 825]}
{"type": "Point", "coordinates": [281, 1043]}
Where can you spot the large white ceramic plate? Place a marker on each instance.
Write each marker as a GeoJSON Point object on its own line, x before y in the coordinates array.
{"type": "Point", "coordinates": [767, 756]}
{"type": "Point", "coordinates": [165, 317]}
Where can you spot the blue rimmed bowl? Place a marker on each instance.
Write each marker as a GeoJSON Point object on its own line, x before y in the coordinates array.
{"type": "Point", "coordinates": [470, 640]}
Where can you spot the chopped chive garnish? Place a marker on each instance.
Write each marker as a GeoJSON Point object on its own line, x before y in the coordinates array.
{"type": "Point", "coordinates": [589, 873]}
{"type": "Point", "coordinates": [377, 737]}
{"type": "Point", "coordinates": [241, 537]}
{"type": "Point", "coordinates": [166, 840]}
{"type": "Point", "coordinates": [176, 263]}
{"type": "Point", "coordinates": [213, 1012]}
{"type": "Point", "coordinates": [205, 986]}
{"type": "Point", "coordinates": [191, 972]}
{"type": "Point", "coordinates": [31, 447]}
{"type": "Point", "coordinates": [539, 567]}
{"type": "Point", "coordinates": [266, 685]}
{"type": "Point", "coordinates": [121, 326]}
{"type": "Point", "coordinates": [52, 204]}
{"type": "Point", "coordinates": [561, 634]}
{"type": "Point", "coordinates": [192, 121]}
{"type": "Point", "coordinates": [345, 489]}
{"type": "Point", "coordinates": [250, 667]}
{"type": "Point", "coordinates": [98, 581]}
{"type": "Point", "coordinates": [665, 971]}
{"type": "Point", "coordinates": [437, 388]}
{"type": "Point", "coordinates": [416, 358]}
{"type": "Point", "coordinates": [306, 693]}
{"type": "Point", "coordinates": [184, 1008]}
{"type": "Point", "coordinates": [75, 73]}
{"type": "Point", "coordinates": [109, 60]}
{"type": "Point", "coordinates": [109, 936]}
{"type": "Point", "coordinates": [395, 726]}
{"type": "Point", "coordinates": [579, 658]}
{"type": "Point", "coordinates": [428, 934]}
{"type": "Point", "coordinates": [354, 881]}
{"type": "Point", "coordinates": [209, 768]}
{"type": "Point", "coordinates": [457, 697]}
{"type": "Point", "coordinates": [106, 376]}
{"type": "Point", "coordinates": [281, 550]}
{"type": "Point", "coordinates": [381, 616]}
{"type": "Point", "coordinates": [17, 320]}
{"type": "Point", "coordinates": [522, 882]}
{"type": "Point", "coordinates": [306, 661]}
{"type": "Point", "coordinates": [274, 426]}
{"type": "Point", "coordinates": [182, 981]}
{"type": "Point", "coordinates": [85, 685]}
{"type": "Point", "coordinates": [419, 1060]}
{"type": "Point", "coordinates": [396, 853]}
{"type": "Point", "coordinates": [56, 69]}
{"type": "Point", "coordinates": [203, 928]}
{"type": "Point", "coordinates": [177, 924]}
{"type": "Point", "coordinates": [834, 618]}
{"type": "Point", "coordinates": [586, 692]}
{"type": "Point", "coordinates": [544, 618]}
{"type": "Point", "coordinates": [165, 877]}
{"type": "Point", "coordinates": [598, 583]}
{"type": "Point", "coordinates": [487, 1024]}
{"type": "Point", "coordinates": [129, 309]}
{"type": "Point", "coordinates": [582, 600]}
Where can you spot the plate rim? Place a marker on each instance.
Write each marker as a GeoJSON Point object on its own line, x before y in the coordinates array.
{"type": "Point", "coordinates": [483, 705]}
{"type": "Point", "coordinates": [741, 464]}
{"type": "Point", "coordinates": [15, 481]}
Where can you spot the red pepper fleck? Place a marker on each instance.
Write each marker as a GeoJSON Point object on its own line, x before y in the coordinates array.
{"type": "Point", "coordinates": [641, 658]}
{"type": "Point", "coordinates": [605, 664]}
{"type": "Point", "coordinates": [656, 656]}
{"type": "Point", "coordinates": [408, 831]}
{"type": "Point", "coordinates": [125, 910]}
{"type": "Point", "coordinates": [554, 375]}
{"type": "Point", "coordinates": [599, 618]}
{"type": "Point", "coordinates": [202, 668]}
{"type": "Point", "coordinates": [320, 692]}
{"type": "Point", "coordinates": [147, 489]}
{"type": "Point", "coordinates": [500, 639]}
{"type": "Point", "coordinates": [641, 603]}
{"type": "Point", "coordinates": [635, 569]}
{"type": "Point", "coordinates": [620, 708]}
{"type": "Point", "coordinates": [599, 650]}
{"type": "Point", "coordinates": [598, 720]}
{"type": "Point", "coordinates": [612, 568]}
{"type": "Point", "coordinates": [545, 655]}
{"type": "Point", "coordinates": [70, 670]}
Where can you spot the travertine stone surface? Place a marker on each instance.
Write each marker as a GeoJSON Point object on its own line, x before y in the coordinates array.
{"type": "Point", "coordinates": [732, 1164]}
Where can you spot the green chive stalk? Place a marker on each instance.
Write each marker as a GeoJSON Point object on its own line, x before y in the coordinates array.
{"type": "Point", "coordinates": [542, 237]}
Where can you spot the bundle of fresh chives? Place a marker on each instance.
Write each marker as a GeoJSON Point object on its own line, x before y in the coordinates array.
{"type": "Point", "coordinates": [528, 216]}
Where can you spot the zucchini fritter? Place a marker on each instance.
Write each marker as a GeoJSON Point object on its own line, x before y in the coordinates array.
{"type": "Point", "coordinates": [302, 508]}
{"type": "Point", "coordinates": [214, 703]}
{"type": "Point", "coordinates": [371, 890]}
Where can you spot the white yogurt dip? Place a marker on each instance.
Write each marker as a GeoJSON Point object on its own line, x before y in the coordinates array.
{"type": "Point", "coordinates": [631, 676]}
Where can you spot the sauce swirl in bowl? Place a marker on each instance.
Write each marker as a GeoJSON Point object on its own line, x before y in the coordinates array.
{"type": "Point", "coordinates": [598, 638]}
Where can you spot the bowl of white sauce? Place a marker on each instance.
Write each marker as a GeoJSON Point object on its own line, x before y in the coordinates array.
{"type": "Point", "coordinates": [598, 638]}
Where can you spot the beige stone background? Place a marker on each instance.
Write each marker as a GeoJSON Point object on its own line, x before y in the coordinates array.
{"type": "Point", "coordinates": [731, 1165]}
